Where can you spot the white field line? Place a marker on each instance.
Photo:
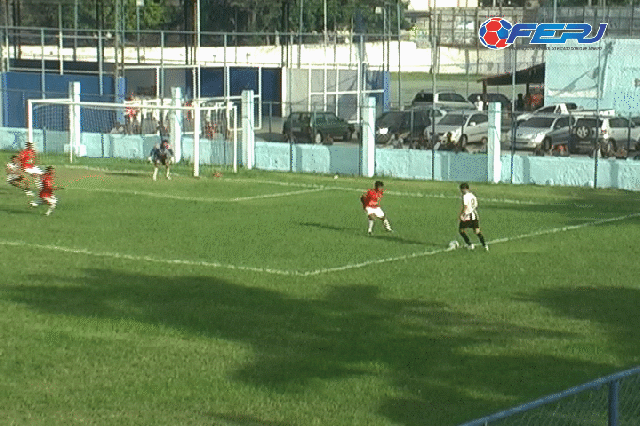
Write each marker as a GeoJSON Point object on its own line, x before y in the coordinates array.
{"type": "Point", "coordinates": [216, 265]}
{"type": "Point", "coordinates": [307, 185]}
{"type": "Point", "coordinates": [211, 200]}
{"type": "Point", "coordinates": [306, 273]}
{"type": "Point", "coordinates": [390, 192]}
{"type": "Point", "coordinates": [497, 241]}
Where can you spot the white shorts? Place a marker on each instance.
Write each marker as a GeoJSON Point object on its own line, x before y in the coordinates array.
{"type": "Point", "coordinates": [33, 170]}
{"type": "Point", "coordinates": [52, 201]}
{"type": "Point", "coordinates": [377, 211]}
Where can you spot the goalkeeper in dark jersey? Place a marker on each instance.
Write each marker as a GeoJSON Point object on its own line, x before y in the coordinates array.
{"type": "Point", "coordinates": [161, 154]}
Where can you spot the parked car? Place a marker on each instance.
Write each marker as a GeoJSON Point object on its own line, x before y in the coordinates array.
{"type": "Point", "coordinates": [316, 127]}
{"type": "Point", "coordinates": [462, 128]}
{"type": "Point", "coordinates": [612, 133]}
{"type": "Point", "coordinates": [408, 124]}
{"type": "Point", "coordinates": [443, 100]}
{"type": "Point", "coordinates": [492, 97]}
{"type": "Point", "coordinates": [561, 108]}
{"type": "Point", "coordinates": [544, 131]}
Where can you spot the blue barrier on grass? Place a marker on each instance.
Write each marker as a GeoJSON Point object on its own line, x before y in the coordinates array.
{"type": "Point", "coordinates": [345, 159]}
{"type": "Point", "coordinates": [612, 400]}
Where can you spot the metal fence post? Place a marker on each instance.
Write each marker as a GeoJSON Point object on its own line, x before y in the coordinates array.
{"type": "Point", "coordinates": [614, 387]}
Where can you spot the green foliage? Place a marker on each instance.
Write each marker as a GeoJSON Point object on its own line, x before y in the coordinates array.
{"type": "Point", "coordinates": [94, 14]}
{"type": "Point", "coordinates": [216, 15]}
{"type": "Point", "coordinates": [258, 298]}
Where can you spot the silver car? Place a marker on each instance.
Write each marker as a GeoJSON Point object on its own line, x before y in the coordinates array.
{"type": "Point", "coordinates": [462, 128]}
{"type": "Point", "coordinates": [544, 131]}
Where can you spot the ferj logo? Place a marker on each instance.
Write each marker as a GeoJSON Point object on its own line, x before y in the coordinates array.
{"type": "Point", "coordinates": [498, 33]}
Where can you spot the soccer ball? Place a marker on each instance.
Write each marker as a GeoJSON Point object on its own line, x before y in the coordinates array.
{"type": "Point", "coordinates": [454, 245]}
{"type": "Point", "coordinates": [494, 33]}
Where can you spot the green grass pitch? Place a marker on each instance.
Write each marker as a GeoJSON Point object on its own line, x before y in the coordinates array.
{"type": "Point", "coordinates": [259, 299]}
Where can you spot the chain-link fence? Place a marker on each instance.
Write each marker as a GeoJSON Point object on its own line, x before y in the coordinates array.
{"type": "Point", "coordinates": [609, 401]}
{"type": "Point", "coordinates": [592, 90]}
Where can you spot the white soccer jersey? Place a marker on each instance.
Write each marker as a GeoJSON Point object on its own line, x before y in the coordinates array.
{"type": "Point", "coordinates": [470, 203]}
{"type": "Point", "coordinates": [13, 171]}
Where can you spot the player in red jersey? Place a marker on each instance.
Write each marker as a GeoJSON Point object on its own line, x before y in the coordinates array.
{"type": "Point", "coordinates": [27, 159]}
{"type": "Point", "coordinates": [46, 191]}
{"type": "Point", "coordinates": [371, 204]}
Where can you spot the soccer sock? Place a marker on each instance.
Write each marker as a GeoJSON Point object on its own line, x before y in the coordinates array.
{"type": "Point", "coordinates": [155, 173]}
{"type": "Point", "coordinates": [465, 237]}
{"type": "Point", "coordinates": [481, 237]}
{"type": "Point", "coordinates": [371, 222]}
{"type": "Point", "coordinates": [386, 224]}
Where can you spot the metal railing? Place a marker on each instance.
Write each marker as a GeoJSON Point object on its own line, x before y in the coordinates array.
{"type": "Point", "coordinates": [613, 400]}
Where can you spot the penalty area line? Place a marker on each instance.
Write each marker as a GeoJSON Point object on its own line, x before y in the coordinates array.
{"type": "Point", "coordinates": [122, 256]}
{"type": "Point", "coordinates": [296, 273]}
{"type": "Point", "coordinates": [496, 241]}
{"type": "Point", "coordinates": [210, 200]}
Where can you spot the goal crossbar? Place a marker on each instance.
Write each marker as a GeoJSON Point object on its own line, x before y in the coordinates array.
{"type": "Point", "coordinates": [195, 111]}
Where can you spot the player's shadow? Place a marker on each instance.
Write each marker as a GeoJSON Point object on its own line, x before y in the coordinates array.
{"type": "Point", "coordinates": [141, 174]}
{"type": "Point", "coordinates": [420, 348]}
{"type": "Point", "coordinates": [327, 226]}
{"type": "Point", "coordinates": [17, 210]}
{"type": "Point", "coordinates": [361, 231]}
{"type": "Point", "coordinates": [394, 237]}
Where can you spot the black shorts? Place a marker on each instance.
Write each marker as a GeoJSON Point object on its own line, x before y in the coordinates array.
{"type": "Point", "coordinates": [473, 224]}
{"type": "Point", "coordinates": [165, 161]}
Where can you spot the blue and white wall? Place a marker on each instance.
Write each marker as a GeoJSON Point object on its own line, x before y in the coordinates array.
{"type": "Point", "coordinates": [336, 159]}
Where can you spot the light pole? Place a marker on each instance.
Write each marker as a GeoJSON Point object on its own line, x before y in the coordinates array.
{"type": "Point", "coordinates": [325, 21]}
{"type": "Point", "coordinates": [399, 49]}
{"type": "Point", "coordinates": [139, 4]}
{"type": "Point", "coordinates": [300, 28]}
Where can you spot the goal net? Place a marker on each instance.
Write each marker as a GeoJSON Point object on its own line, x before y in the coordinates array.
{"type": "Point", "coordinates": [203, 136]}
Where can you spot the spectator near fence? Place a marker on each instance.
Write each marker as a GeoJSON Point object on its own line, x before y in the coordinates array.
{"type": "Point", "coordinates": [520, 102]}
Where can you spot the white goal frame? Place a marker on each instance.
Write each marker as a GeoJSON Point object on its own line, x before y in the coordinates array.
{"type": "Point", "coordinates": [195, 108]}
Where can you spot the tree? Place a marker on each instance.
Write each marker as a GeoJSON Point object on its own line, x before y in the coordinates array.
{"type": "Point", "coordinates": [93, 14]}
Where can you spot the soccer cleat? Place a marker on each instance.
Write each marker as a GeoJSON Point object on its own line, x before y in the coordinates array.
{"type": "Point", "coordinates": [33, 204]}
{"type": "Point", "coordinates": [486, 247]}
{"type": "Point", "coordinates": [388, 229]}
{"type": "Point", "coordinates": [29, 193]}
{"type": "Point", "coordinates": [48, 213]}
{"type": "Point", "coordinates": [369, 233]}
{"type": "Point", "coordinates": [470, 246]}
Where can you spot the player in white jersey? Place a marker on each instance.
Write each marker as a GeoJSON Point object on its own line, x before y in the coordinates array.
{"type": "Point", "coordinates": [469, 217]}
{"type": "Point", "coordinates": [14, 174]}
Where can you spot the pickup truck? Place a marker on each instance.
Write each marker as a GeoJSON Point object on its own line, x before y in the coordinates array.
{"type": "Point", "coordinates": [566, 108]}
{"type": "Point", "coordinates": [561, 108]}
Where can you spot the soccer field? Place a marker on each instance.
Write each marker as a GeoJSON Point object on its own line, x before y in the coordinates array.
{"type": "Point", "coordinates": [259, 299]}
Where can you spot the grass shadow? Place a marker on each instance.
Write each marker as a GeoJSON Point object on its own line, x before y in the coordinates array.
{"type": "Point", "coordinates": [416, 346]}
{"type": "Point", "coordinates": [614, 308]}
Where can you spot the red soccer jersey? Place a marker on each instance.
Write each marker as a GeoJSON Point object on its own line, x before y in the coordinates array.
{"type": "Point", "coordinates": [47, 185]}
{"type": "Point", "coordinates": [372, 198]}
{"type": "Point", "coordinates": [27, 158]}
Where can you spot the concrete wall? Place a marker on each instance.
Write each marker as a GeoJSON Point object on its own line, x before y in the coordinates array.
{"type": "Point", "coordinates": [413, 56]}
{"type": "Point", "coordinates": [417, 164]}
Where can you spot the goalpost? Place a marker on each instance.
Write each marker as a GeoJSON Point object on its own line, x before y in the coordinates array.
{"type": "Point", "coordinates": [199, 134]}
